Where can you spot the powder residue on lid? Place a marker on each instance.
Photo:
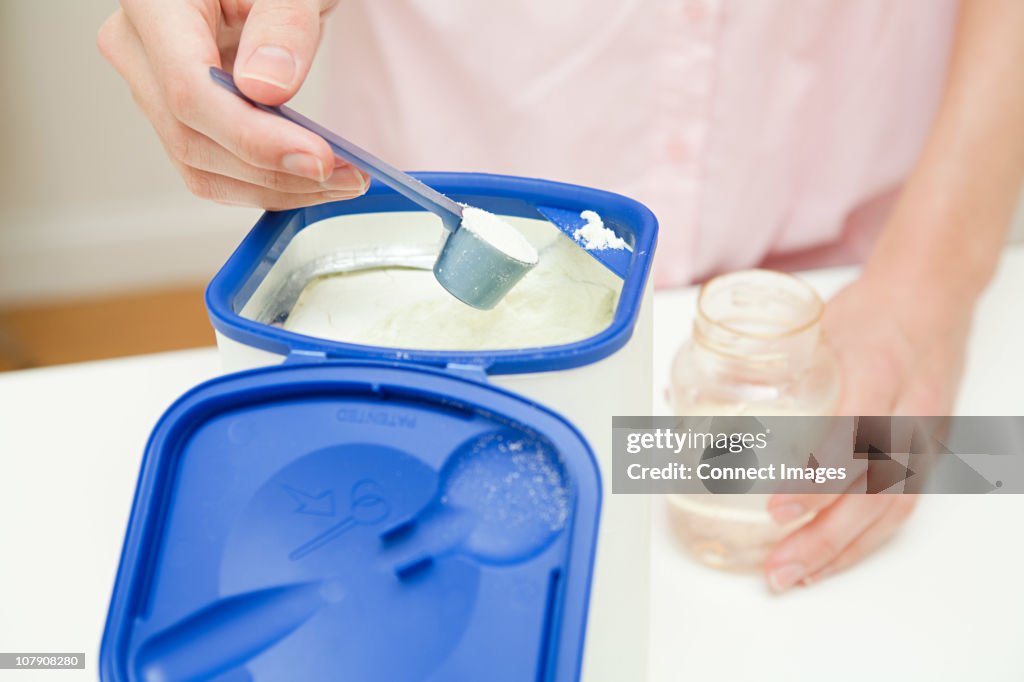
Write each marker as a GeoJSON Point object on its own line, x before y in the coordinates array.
{"type": "Point", "coordinates": [595, 236]}
{"type": "Point", "coordinates": [499, 234]}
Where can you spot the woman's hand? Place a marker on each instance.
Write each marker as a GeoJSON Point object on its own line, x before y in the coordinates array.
{"type": "Point", "coordinates": [900, 331]}
{"type": "Point", "coordinates": [900, 345]}
{"type": "Point", "coordinates": [225, 149]}
{"type": "Point", "coordinates": [901, 352]}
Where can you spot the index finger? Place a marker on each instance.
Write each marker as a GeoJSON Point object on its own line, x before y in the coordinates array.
{"type": "Point", "coordinates": [180, 43]}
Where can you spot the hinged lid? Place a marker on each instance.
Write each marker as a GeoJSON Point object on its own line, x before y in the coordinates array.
{"type": "Point", "coordinates": [355, 521]}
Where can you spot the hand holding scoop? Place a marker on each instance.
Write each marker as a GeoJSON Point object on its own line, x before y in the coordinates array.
{"type": "Point", "coordinates": [482, 258]}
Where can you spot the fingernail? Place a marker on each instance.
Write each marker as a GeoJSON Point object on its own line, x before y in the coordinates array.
{"type": "Point", "coordinates": [784, 513]}
{"type": "Point", "coordinates": [784, 577]}
{"type": "Point", "coordinates": [342, 194]}
{"type": "Point", "coordinates": [346, 178]}
{"type": "Point", "coordinates": [305, 165]}
{"type": "Point", "coordinates": [818, 577]}
{"type": "Point", "coordinates": [270, 64]}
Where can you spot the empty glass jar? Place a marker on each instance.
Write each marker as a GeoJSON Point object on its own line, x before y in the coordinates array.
{"type": "Point", "coordinates": [757, 350]}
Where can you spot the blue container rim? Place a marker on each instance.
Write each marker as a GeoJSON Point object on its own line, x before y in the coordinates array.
{"type": "Point", "coordinates": [232, 286]}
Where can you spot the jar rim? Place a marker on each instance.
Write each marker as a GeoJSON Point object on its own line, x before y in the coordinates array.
{"type": "Point", "coordinates": [814, 298]}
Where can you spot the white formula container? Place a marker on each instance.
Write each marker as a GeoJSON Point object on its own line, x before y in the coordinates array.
{"type": "Point", "coordinates": [586, 382]}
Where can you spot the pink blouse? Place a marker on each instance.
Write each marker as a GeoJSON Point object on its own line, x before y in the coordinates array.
{"type": "Point", "coordinates": [754, 129]}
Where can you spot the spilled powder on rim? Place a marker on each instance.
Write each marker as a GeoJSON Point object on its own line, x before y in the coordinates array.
{"type": "Point", "coordinates": [498, 233]}
{"type": "Point", "coordinates": [595, 236]}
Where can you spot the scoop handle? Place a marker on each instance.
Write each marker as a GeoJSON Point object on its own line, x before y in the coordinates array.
{"type": "Point", "coordinates": [403, 183]}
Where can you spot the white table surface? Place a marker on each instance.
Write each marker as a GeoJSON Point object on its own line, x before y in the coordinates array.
{"type": "Point", "coordinates": [943, 601]}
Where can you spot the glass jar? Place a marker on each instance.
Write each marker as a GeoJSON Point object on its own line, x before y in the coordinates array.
{"type": "Point", "coordinates": [757, 350]}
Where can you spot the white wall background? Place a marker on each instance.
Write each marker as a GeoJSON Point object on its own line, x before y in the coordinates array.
{"type": "Point", "coordinates": [88, 203]}
{"type": "Point", "coordinates": [1017, 229]}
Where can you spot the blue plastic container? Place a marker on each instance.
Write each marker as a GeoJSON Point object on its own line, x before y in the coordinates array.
{"type": "Point", "coordinates": [366, 514]}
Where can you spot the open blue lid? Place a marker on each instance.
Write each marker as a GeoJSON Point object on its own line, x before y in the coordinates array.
{"type": "Point", "coordinates": [355, 521]}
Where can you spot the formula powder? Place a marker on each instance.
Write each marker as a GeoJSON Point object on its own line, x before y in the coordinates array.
{"type": "Point", "coordinates": [568, 296]}
{"type": "Point", "coordinates": [498, 233]}
{"type": "Point", "coordinates": [595, 236]}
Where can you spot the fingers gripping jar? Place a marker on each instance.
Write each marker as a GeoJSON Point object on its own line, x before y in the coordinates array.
{"type": "Point", "coordinates": [756, 350]}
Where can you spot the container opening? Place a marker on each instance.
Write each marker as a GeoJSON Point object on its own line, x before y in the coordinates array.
{"type": "Point", "coordinates": [759, 304]}
{"type": "Point", "coordinates": [366, 279]}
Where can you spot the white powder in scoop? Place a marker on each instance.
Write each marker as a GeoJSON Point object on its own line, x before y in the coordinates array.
{"type": "Point", "coordinates": [498, 233]}
{"type": "Point", "coordinates": [595, 236]}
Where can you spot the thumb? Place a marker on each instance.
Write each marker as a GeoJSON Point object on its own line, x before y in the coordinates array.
{"type": "Point", "coordinates": [278, 42]}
